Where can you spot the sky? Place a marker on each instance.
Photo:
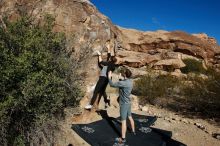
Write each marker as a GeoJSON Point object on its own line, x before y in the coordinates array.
{"type": "Point", "coordinates": [192, 16]}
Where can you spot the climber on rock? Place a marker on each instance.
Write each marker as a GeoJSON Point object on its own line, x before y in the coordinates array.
{"type": "Point", "coordinates": [102, 83]}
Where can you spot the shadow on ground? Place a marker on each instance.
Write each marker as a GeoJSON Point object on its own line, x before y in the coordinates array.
{"type": "Point", "coordinates": [104, 132]}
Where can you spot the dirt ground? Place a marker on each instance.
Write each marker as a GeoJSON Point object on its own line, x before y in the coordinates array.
{"type": "Point", "coordinates": [192, 132]}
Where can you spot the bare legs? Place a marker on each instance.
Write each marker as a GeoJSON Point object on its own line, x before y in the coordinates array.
{"type": "Point", "coordinates": [124, 126]}
{"type": "Point", "coordinates": [132, 123]}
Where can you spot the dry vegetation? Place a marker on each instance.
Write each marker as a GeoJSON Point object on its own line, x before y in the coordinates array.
{"type": "Point", "coordinates": [198, 94]}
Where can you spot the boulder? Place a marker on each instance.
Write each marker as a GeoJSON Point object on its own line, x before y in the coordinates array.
{"type": "Point", "coordinates": [145, 109]}
{"type": "Point", "coordinates": [174, 63]}
{"type": "Point", "coordinates": [174, 43]}
{"type": "Point", "coordinates": [171, 55]}
{"type": "Point", "coordinates": [216, 135]}
{"type": "Point", "coordinates": [199, 125]}
{"type": "Point", "coordinates": [137, 72]}
{"type": "Point", "coordinates": [205, 37]}
{"type": "Point", "coordinates": [136, 59]}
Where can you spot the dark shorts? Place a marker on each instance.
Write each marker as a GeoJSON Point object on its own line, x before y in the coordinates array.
{"type": "Point", "coordinates": [125, 111]}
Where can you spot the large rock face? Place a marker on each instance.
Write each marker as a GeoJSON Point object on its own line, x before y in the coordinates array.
{"type": "Point", "coordinates": [88, 30]}
{"type": "Point", "coordinates": [169, 45]}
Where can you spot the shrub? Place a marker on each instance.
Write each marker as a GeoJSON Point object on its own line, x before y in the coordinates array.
{"type": "Point", "coordinates": [194, 95]}
{"type": "Point", "coordinates": [193, 66]}
{"type": "Point", "coordinates": [36, 80]}
{"type": "Point", "coordinates": [204, 95]}
{"type": "Point", "coordinates": [150, 88]}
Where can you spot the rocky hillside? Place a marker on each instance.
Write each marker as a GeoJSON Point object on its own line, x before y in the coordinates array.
{"type": "Point", "coordinates": [88, 30]}
{"type": "Point", "coordinates": [162, 45]}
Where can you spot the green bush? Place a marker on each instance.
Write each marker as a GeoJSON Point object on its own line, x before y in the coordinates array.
{"type": "Point", "coordinates": [150, 88]}
{"type": "Point", "coordinates": [203, 95]}
{"type": "Point", "coordinates": [193, 66]}
{"type": "Point", "coordinates": [36, 79]}
{"type": "Point", "coordinates": [194, 95]}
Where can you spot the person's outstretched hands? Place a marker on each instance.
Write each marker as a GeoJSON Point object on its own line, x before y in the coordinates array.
{"type": "Point", "coordinates": [98, 53]}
